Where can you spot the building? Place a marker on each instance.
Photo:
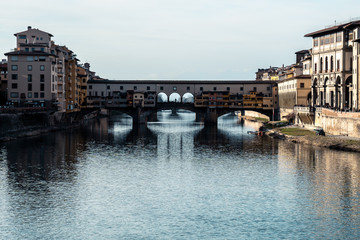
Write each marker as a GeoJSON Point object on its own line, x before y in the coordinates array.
{"type": "Point", "coordinates": [294, 86]}
{"type": "Point", "coordinates": [267, 74]}
{"type": "Point", "coordinates": [335, 64]}
{"type": "Point", "coordinates": [3, 81]}
{"type": "Point", "coordinates": [32, 72]}
{"type": "Point", "coordinates": [41, 73]}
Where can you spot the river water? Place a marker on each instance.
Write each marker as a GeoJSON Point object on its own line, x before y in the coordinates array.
{"type": "Point", "coordinates": [175, 179]}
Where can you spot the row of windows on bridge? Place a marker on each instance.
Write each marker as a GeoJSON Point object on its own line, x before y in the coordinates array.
{"type": "Point", "coordinates": [175, 88]}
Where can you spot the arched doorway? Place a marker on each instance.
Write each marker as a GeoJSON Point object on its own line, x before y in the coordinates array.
{"type": "Point", "coordinates": [348, 93]}
{"type": "Point", "coordinates": [188, 98]}
{"type": "Point", "coordinates": [175, 97]}
{"type": "Point", "coordinates": [315, 91]}
{"type": "Point", "coordinates": [162, 97]}
{"type": "Point", "coordinates": [326, 95]}
{"type": "Point", "coordinates": [337, 93]}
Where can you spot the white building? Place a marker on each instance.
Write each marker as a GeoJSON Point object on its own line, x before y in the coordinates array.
{"type": "Point", "coordinates": [335, 53]}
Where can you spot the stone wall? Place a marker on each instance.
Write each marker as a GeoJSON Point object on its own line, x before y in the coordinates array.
{"type": "Point", "coordinates": [338, 123]}
{"type": "Point", "coordinates": [24, 122]}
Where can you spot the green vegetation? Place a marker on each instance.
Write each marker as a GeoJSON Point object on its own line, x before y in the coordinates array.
{"type": "Point", "coordinates": [261, 119]}
{"type": "Point", "coordinates": [352, 142]}
{"type": "Point", "coordinates": [297, 132]}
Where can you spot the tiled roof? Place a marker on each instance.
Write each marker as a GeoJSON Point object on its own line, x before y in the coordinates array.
{"type": "Point", "coordinates": [333, 29]}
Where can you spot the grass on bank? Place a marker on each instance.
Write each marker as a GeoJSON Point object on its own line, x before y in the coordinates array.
{"type": "Point", "coordinates": [297, 132]}
{"type": "Point", "coordinates": [259, 119]}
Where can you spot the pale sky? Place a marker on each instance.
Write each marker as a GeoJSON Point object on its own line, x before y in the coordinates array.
{"type": "Point", "coordinates": [176, 39]}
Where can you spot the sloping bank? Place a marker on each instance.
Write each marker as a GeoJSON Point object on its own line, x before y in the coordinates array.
{"type": "Point", "coordinates": [17, 125]}
{"type": "Point", "coordinates": [303, 136]}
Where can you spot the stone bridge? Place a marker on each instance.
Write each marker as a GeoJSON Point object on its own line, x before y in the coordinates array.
{"type": "Point", "coordinates": [142, 99]}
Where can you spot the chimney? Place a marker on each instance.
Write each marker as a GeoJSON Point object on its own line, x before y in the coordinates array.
{"type": "Point", "coordinates": [29, 27]}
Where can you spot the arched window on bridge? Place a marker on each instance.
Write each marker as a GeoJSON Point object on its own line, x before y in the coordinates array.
{"type": "Point", "coordinates": [188, 98]}
{"type": "Point", "coordinates": [175, 97]}
{"type": "Point", "coordinates": [162, 97]}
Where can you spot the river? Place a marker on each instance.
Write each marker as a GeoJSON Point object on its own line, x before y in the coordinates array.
{"type": "Point", "coordinates": [175, 179]}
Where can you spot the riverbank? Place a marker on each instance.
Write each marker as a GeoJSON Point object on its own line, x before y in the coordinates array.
{"type": "Point", "coordinates": [29, 124]}
{"type": "Point", "coordinates": [303, 136]}
{"type": "Point", "coordinates": [35, 132]}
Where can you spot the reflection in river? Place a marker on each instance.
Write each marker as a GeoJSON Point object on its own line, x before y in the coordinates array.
{"type": "Point", "coordinates": [175, 179]}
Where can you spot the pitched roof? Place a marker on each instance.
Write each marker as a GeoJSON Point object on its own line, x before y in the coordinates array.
{"type": "Point", "coordinates": [24, 32]}
{"type": "Point", "coordinates": [333, 29]}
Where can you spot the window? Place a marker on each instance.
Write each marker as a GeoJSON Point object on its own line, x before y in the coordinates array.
{"type": "Point", "coordinates": [29, 67]}
{"type": "Point", "coordinates": [228, 88]}
{"type": "Point", "coordinates": [214, 88]}
{"type": "Point", "coordinates": [174, 88]}
{"type": "Point", "coordinates": [135, 87]}
{"type": "Point", "coordinates": [321, 65]}
{"type": "Point", "coordinates": [326, 64]}
{"type": "Point", "coordinates": [338, 65]}
{"type": "Point", "coordinates": [268, 88]}
{"type": "Point", "coordinates": [36, 95]}
{"type": "Point", "coordinates": [316, 42]}
{"type": "Point", "coordinates": [22, 36]}
{"type": "Point", "coordinates": [42, 95]}
{"type": "Point", "coordinates": [102, 94]}
{"type": "Point", "coordinates": [29, 77]}
{"type": "Point", "coordinates": [108, 87]}
{"type": "Point", "coordinates": [241, 89]}
{"type": "Point", "coordinates": [14, 85]}
{"type": "Point", "coordinates": [338, 37]}
{"type": "Point", "coordinates": [14, 76]}
{"type": "Point", "coordinates": [42, 49]}
{"type": "Point", "coordinates": [29, 58]}
{"type": "Point", "coordinates": [188, 88]}
{"type": "Point", "coordinates": [161, 88]}
{"type": "Point", "coordinates": [27, 49]}
{"type": "Point", "coordinates": [14, 58]}
{"type": "Point", "coordinates": [14, 95]}
{"type": "Point", "coordinates": [148, 88]}
{"type": "Point", "coordinates": [42, 78]}
{"type": "Point", "coordinates": [255, 89]}
{"type": "Point", "coordinates": [14, 67]}
{"type": "Point", "coordinates": [315, 68]}
{"type": "Point", "coordinates": [42, 68]}
{"type": "Point", "coordinates": [201, 88]}
{"type": "Point", "coordinates": [121, 87]}
{"type": "Point", "coordinates": [302, 85]}
{"type": "Point", "coordinates": [90, 86]}
{"type": "Point", "coordinates": [29, 95]}
{"type": "Point", "coordinates": [331, 64]}
{"type": "Point", "coordinates": [42, 87]}
{"type": "Point", "coordinates": [42, 59]}
{"type": "Point", "coordinates": [29, 87]}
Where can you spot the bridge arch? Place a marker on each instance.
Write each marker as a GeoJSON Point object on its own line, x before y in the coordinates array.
{"type": "Point", "coordinates": [188, 98]}
{"type": "Point", "coordinates": [162, 97]}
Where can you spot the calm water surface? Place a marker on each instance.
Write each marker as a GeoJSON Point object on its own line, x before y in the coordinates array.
{"type": "Point", "coordinates": [175, 179]}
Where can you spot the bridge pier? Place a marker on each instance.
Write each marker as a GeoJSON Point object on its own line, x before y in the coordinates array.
{"type": "Point", "coordinates": [138, 117]}
{"type": "Point", "coordinates": [211, 116]}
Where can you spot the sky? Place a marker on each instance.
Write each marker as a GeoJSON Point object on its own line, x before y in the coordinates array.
{"type": "Point", "coordinates": [176, 39]}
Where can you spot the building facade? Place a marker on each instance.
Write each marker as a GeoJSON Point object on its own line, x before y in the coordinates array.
{"type": "Point", "coordinates": [32, 72]}
{"type": "Point", "coordinates": [335, 64]}
{"type": "Point", "coordinates": [41, 73]}
{"type": "Point", "coordinates": [3, 81]}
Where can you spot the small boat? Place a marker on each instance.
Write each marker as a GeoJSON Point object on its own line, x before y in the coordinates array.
{"type": "Point", "coordinates": [253, 132]}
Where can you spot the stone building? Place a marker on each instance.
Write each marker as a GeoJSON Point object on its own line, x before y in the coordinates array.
{"type": "Point", "coordinates": [32, 68]}
{"type": "Point", "coordinates": [41, 73]}
{"type": "Point", "coordinates": [294, 86]}
{"type": "Point", "coordinates": [335, 64]}
{"type": "Point", "coordinates": [3, 81]}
